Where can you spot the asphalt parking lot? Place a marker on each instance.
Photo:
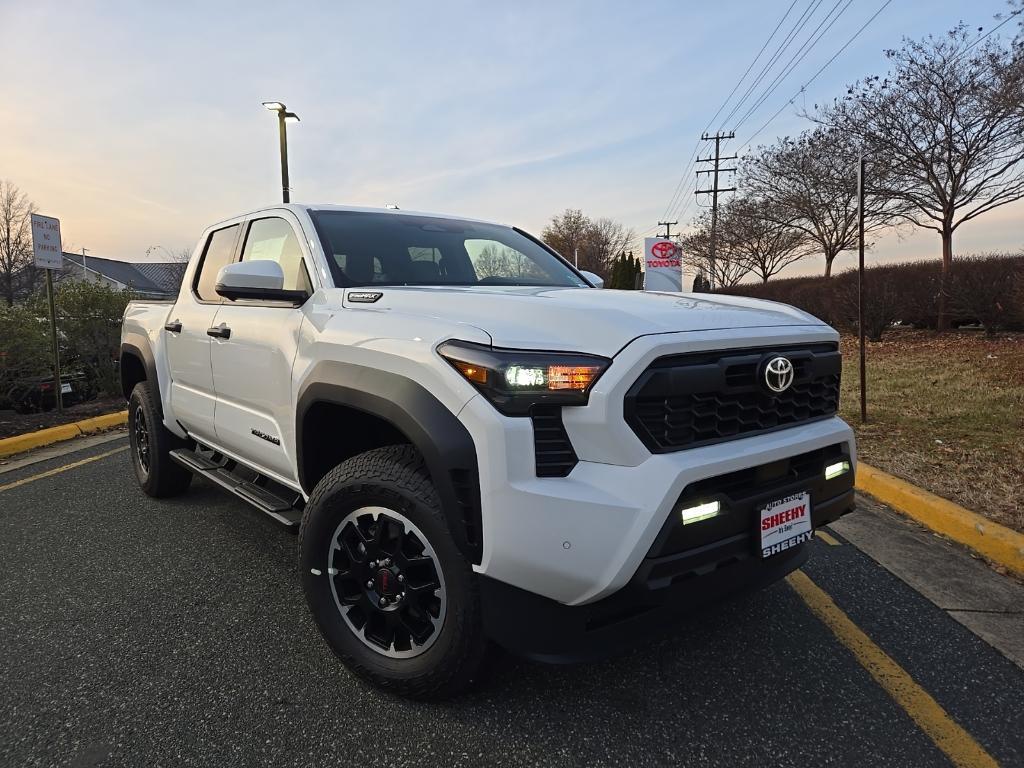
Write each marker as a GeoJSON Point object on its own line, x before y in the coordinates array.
{"type": "Point", "coordinates": [138, 632]}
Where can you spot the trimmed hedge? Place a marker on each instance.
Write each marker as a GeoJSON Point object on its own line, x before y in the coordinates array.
{"type": "Point", "coordinates": [984, 290]}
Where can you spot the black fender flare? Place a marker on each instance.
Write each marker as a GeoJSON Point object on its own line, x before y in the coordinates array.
{"type": "Point", "coordinates": [136, 345]}
{"type": "Point", "coordinates": [443, 441]}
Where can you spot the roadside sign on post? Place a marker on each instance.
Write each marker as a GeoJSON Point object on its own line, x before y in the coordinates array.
{"type": "Point", "coordinates": [46, 247]}
{"type": "Point", "coordinates": [663, 265]}
{"type": "Point", "coordinates": [48, 254]}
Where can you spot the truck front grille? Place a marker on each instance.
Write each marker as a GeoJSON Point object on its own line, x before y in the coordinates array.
{"type": "Point", "coordinates": [686, 401]}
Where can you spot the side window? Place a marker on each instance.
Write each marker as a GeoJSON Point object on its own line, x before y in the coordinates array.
{"type": "Point", "coordinates": [220, 247]}
{"type": "Point", "coordinates": [274, 239]}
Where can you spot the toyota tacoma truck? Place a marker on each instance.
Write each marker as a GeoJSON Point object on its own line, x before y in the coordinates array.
{"type": "Point", "coordinates": [477, 446]}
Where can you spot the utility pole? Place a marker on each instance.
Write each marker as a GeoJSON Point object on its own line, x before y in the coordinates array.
{"type": "Point", "coordinates": [85, 272]}
{"type": "Point", "coordinates": [668, 228]}
{"type": "Point", "coordinates": [715, 190]}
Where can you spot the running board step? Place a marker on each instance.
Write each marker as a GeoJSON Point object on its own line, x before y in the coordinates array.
{"type": "Point", "coordinates": [281, 510]}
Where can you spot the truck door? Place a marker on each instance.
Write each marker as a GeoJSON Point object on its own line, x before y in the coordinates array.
{"type": "Point", "coordinates": [192, 395]}
{"type": "Point", "coordinates": [252, 364]}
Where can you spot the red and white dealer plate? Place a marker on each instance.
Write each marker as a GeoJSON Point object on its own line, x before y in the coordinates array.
{"type": "Point", "coordinates": [785, 523]}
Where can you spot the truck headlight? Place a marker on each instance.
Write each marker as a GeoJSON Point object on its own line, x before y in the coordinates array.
{"type": "Point", "coordinates": [514, 380]}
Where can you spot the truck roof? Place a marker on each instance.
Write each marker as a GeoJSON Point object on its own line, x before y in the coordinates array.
{"type": "Point", "coordinates": [301, 207]}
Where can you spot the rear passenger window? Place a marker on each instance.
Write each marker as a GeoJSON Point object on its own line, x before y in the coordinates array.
{"type": "Point", "coordinates": [274, 240]}
{"type": "Point", "coordinates": [220, 247]}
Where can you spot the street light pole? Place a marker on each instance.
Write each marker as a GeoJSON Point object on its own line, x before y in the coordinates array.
{"type": "Point", "coordinates": [283, 116]}
{"type": "Point", "coordinates": [861, 167]}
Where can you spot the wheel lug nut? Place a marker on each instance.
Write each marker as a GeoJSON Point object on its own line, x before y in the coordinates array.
{"type": "Point", "coordinates": [384, 602]}
{"type": "Point", "coordinates": [373, 563]}
{"type": "Point", "coordinates": [401, 577]}
{"type": "Point", "coordinates": [387, 561]}
{"type": "Point", "coordinates": [369, 584]}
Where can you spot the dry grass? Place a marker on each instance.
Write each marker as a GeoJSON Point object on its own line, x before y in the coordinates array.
{"type": "Point", "coordinates": [945, 412]}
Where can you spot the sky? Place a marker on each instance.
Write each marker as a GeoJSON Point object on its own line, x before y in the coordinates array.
{"type": "Point", "coordinates": [140, 123]}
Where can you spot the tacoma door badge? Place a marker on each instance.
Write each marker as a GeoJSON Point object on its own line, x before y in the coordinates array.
{"type": "Point", "coordinates": [265, 436]}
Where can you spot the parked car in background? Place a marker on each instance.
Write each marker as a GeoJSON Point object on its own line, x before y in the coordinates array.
{"type": "Point", "coordinates": [38, 393]}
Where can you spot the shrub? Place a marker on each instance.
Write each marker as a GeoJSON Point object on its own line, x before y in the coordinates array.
{"type": "Point", "coordinates": [882, 302]}
{"type": "Point", "coordinates": [24, 347]}
{"type": "Point", "coordinates": [89, 331]}
{"type": "Point", "coordinates": [985, 289]}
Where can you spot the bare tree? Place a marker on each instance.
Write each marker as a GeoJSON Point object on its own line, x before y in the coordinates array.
{"type": "Point", "coordinates": [15, 240]}
{"type": "Point", "coordinates": [179, 262]}
{"type": "Point", "coordinates": [604, 240]}
{"type": "Point", "coordinates": [946, 130]}
{"type": "Point", "coordinates": [810, 184]}
{"type": "Point", "coordinates": [757, 236]}
{"type": "Point", "coordinates": [567, 232]}
{"type": "Point", "coordinates": [729, 266]}
{"type": "Point", "coordinates": [593, 244]}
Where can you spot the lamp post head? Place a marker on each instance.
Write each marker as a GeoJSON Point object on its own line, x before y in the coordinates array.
{"type": "Point", "coordinates": [274, 106]}
{"type": "Point", "coordinates": [291, 117]}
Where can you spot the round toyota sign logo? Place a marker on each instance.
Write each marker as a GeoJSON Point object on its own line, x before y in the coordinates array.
{"type": "Point", "coordinates": [778, 374]}
{"type": "Point", "coordinates": [664, 250]}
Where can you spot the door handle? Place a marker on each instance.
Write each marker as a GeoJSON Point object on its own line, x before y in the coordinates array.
{"type": "Point", "coordinates": [174, 326]}
{"type": "Point", "coordinates": [219, 331]}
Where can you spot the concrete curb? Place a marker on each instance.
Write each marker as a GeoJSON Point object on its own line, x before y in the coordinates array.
{"type": "Point", "coordinates": [19, 443]}
{"type": "Point", "coordinates": [998, 543]}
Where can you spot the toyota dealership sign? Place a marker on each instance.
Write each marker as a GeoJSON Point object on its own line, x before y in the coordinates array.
{"type": "Point", "coordinates": [663, 265]}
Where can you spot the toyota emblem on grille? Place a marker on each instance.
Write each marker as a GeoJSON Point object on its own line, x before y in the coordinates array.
{"type": "Point", "coordinates": [778, 374]}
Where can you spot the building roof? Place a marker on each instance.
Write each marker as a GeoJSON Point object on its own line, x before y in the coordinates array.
{"type": "Point", "coordinates": [143, 277]}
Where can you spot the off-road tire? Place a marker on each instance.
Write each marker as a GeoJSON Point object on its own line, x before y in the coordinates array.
{"type": "Point", "coordinates": [161, 477]}
{"type": "Point", "coordinates": [394, 478]}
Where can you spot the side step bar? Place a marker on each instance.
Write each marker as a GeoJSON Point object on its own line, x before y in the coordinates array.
{"type": "Point", "coordinates": [224, 472]}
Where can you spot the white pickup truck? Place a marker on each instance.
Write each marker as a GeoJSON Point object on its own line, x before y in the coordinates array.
{"type": "Point", "coordinates": [476, 445]}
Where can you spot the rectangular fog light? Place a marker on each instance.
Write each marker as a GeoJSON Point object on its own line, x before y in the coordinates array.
{"type": "Point", "coordinates": [700, 512]}
{"type": "Point", "coordinates": [835, 470]}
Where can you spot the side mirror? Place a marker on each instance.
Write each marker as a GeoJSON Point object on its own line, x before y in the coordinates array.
{"type": "Point", "coordinates": [261, 279]}
{"type": "Point", "coordinates": [593, 279]}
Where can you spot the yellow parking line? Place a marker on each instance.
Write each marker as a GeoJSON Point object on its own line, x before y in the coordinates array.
{"type": "Point", "coordinates": [958, 745]}
{"type": "Point", "coordinates": [827, 538]}
{"type": "Point", "coordinates": [58, 470]}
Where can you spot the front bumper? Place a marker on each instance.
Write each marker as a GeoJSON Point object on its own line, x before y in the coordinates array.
{"type": "Point", "coordinates": [578, 539]}
{"type": "Point", "coordinates": [539, 628]}
{"type": "Point", "coordinates": [672, 581]}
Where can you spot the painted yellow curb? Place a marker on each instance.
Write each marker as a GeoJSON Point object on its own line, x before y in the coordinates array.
{"type": "Point", "coordinates": [11, 445]}
{"type": "Point", "coordinates": [996, 542]}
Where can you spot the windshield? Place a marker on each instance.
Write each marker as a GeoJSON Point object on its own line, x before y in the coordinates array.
{"type": "Point", "coordinates": [403, 249]}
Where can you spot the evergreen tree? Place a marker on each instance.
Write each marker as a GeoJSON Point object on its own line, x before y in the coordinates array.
{"type": "Point", "coordinates": [613, 274]}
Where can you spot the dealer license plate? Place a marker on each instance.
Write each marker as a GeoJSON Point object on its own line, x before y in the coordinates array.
{"type": "Point", "coordinates": [65, 388]}
{"type": "Point", "coordinates": [785, 523]}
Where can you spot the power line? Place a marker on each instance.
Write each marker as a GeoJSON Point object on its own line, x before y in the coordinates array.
{"type": "Point", "coordinates": [750, 66]}
{"type": "Point", "coordinates": [992, 31]}
{"type": "Point", "coordinates": [798, 26]}
{"type": "Point", "coordinates": [823, 67]}
{"type": "Point", "coordinates": [689, 165]}
{"type": "Point", "coordinates": [679, 205]}
{"type": "Point", "coordinates": [797, 58]}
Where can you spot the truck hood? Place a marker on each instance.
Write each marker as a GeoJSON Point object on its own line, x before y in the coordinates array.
{"type": "Point", "coordinates": [578, 319]}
